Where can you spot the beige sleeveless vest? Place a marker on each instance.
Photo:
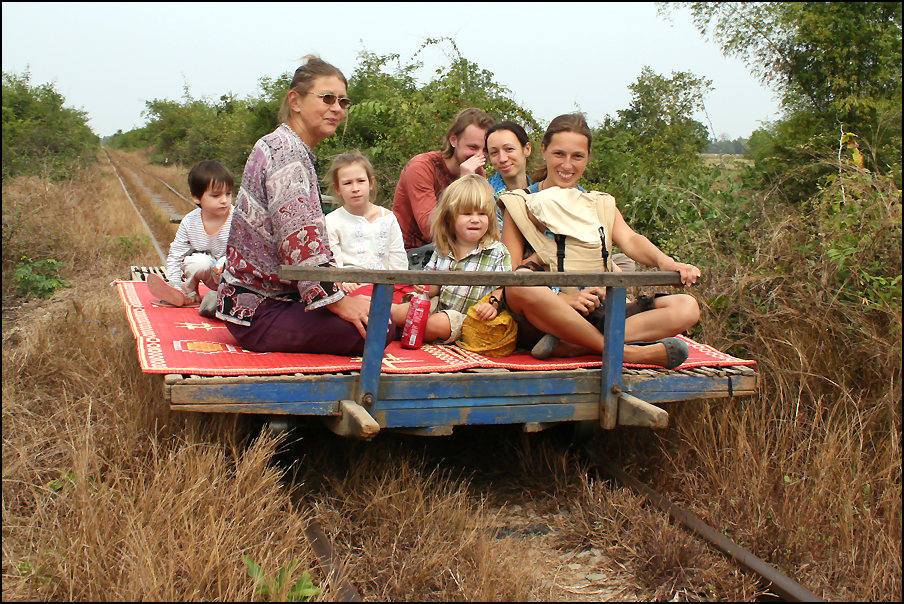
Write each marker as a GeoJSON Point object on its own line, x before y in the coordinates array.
{"type": "Point", "coordinates": [570, 212]}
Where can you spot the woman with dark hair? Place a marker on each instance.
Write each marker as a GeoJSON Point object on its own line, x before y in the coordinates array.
{"type": "Point", "coordinates": [508, 150]}
{"type": "Point", "coordinates": [561, 315]}
{"type": "Point", "coordinates": [278, 220]}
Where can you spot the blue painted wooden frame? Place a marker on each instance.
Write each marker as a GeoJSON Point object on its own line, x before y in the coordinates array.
{"type": "Point", "coordinates": [374, 345]}
{"type": "Point", "coordinates": [448, 399]}
{"type": "Point", "coordinates": [613, 354]}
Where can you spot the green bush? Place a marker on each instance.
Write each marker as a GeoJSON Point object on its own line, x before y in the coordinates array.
{"type": "Point", "coordinates": [40, 135]}
{"type": "Point", "coordinates": [38, 278]}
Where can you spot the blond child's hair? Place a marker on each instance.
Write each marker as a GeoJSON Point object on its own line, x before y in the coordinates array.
{"type": "Point", "coordinates": [468, 193]}
{"type": "Point", "coordinates": [350, 159]}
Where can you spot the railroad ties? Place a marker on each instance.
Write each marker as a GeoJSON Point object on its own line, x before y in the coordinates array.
{"type": "Point", "coordinates": [140, 273]}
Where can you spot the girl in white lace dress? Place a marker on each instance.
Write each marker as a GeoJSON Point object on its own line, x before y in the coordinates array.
{"type": "Point", "coordinates": [361, 233]}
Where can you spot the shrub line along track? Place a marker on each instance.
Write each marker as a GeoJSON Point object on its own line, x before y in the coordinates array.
{"type": "Point", "coordinates": [334, 572]}
{"type": "Point", "coordinates": [781, 585]}
{"type": "Point", "coordinates": [332, 569]}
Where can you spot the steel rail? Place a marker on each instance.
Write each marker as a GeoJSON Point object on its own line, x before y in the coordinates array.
{"type": "Point", "coordinates": [137, 211]}
{"type": "Point", "coordinates": [333, 569]}
{"type": "Point", "coordinates": [783, 586]}
{"type": "Point", "coordinates": [166, 184]}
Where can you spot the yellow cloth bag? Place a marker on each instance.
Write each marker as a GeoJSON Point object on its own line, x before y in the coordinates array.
{"type": "Point", "coordinates": [494, 338]}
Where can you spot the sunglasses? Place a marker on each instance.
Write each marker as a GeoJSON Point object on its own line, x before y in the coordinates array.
{"type": "Point", "coordinates": [329, 99]}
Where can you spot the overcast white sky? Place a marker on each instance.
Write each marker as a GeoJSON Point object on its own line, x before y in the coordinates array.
{"type": "Point", "coordinates": [109, 58]}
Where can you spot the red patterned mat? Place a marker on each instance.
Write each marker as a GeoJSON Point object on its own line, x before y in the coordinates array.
{"type": "Point", "coordinates": [179, 340]}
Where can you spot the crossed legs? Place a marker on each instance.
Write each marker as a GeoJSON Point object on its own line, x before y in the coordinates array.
{"type": "Point", "coordinates": [551, 314]}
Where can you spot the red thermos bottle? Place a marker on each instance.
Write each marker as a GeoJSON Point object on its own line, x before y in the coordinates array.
{"type": "Point", "coordinates": [416, 321]}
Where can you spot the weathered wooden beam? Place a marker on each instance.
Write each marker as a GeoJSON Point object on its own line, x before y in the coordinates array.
{"type": "Point", "coordinates": [530, 427]}
{"type": "Point", "coordinates": [524, 278]}
{"type": "Point", "coordinates": [354, 421]}
{"type": "Point", "coordinates": [634, 412]}
{"type": "Point", "coordinates": [431, 431]}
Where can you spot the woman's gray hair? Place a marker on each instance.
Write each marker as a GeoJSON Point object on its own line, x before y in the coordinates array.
{"type": "Point", "coordinates": [314, 67]}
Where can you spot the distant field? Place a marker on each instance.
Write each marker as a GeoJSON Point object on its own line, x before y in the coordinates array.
{"type": "Point", "coordinates": [726, 158]}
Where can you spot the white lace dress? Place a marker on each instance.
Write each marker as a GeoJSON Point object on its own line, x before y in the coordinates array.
{"type": "Point", "coordinates": [357, 243]}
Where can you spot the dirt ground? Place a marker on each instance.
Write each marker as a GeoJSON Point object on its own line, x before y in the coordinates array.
{"type": "Point", "coordinates": [588, 575]}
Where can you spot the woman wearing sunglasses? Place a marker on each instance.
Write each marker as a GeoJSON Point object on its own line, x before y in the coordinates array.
{"type": "Point", "coordinates": [278, 220]}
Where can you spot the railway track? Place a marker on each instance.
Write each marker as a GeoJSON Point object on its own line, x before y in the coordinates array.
{"type": "Point", "coordinates": [173, 205]}
{"type": "Point", "coordinates": [774, 584]}
{"type": "Point", "coordinates": [773, 580]}
{"type": "Point", "coordinates": [335, 572]}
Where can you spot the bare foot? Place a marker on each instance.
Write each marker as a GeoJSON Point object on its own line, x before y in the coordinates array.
{"type": "Point", "coordinates": [654, 354]}
{"type": "Point", "coordinates": [163, 290]}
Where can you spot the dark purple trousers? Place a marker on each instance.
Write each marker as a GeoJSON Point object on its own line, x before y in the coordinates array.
{"type": "Point", "coordinates": [287, 327]}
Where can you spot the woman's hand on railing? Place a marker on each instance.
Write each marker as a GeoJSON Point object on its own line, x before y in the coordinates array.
{"type": "Point", "coordinates": [689, 273]}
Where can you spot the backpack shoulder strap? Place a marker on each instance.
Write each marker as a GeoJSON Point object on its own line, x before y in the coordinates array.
{"type": "Point", "coordinates": [605, 209]}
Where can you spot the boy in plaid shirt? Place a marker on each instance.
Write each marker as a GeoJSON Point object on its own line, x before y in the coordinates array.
{"type": "Point", "coordinates": [466, 235]}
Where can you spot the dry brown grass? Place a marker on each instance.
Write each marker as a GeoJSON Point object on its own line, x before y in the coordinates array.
{"type": "Point", "coordinates": [79, 222]}
{"type": "Point", "coordinates": [105, 495]}
{"type": "Point", "coordinates": [663, 561]}
{"type": "Point", "coordinates": [108, 496]}
{"type": "Point", "coordinates": [412, 532]}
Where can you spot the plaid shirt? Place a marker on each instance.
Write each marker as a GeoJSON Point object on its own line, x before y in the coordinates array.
{"type": "Point", "coordinates": [488, 257]}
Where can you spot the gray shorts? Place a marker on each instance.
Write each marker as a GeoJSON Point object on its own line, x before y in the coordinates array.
{"type": "Point", "coordinates": [455, 321]}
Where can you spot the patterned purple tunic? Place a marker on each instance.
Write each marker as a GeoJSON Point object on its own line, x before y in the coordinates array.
{"type": "Point", "coordinates": [277, 220]}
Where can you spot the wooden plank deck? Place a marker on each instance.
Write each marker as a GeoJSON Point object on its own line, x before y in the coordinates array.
{"type": "Point", "coordinates": [436, 402]}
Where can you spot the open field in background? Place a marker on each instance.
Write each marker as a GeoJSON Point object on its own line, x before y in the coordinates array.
{"type": "Point", "coordinates": [109, 496]}
{"type": "Point", "coordinates": [729, 160]}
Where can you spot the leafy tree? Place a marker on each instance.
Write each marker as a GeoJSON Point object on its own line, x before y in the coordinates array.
{"type": "Point", "coordinates": [197, 129]}
{"type": "Point", "coordinates": [393, 119]}
{"type": "Point", "coordinates": [643, 153]}
{"type": "Point", "coordinates": [837, 67]}
{"type": "Point", "coordinates": [40, 135]}
{"type": "Point", "coordinates": [656, 133]}
{"type": "Point", "coordinates": [128, 141]}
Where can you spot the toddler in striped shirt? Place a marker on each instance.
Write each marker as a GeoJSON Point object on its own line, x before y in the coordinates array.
{"type": "Point", "coordinates": [198, 252]}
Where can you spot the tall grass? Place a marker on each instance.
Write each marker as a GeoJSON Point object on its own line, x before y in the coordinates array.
{"type": "Point", "coordinates": [109, 496]}
{"type": "Point", "coordinates": [807, 474]}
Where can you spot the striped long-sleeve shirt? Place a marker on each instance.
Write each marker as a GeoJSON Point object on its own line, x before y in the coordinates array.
{"type": "Point", "coordinates": [191, 237]}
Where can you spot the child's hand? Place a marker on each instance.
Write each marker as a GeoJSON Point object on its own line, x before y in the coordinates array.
{"type": "Point", "coordinates": [485, 311]}
{"type": "Point", "coordinates": [350, 287]}
{"type": "Point", "coordinates": [419, 289]}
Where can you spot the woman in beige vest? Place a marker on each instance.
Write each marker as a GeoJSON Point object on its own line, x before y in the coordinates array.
{"type": "Point", "coordinates": [554, 322]}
